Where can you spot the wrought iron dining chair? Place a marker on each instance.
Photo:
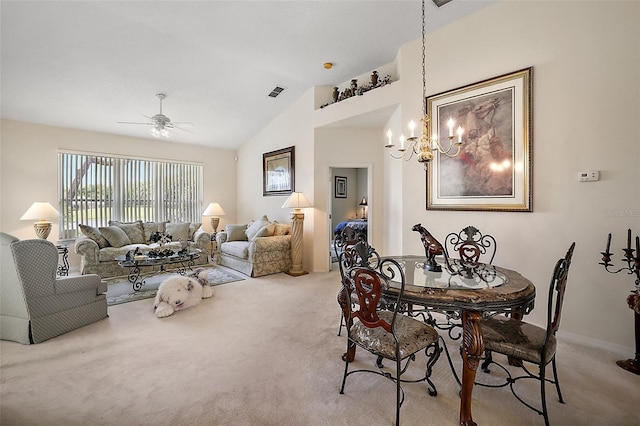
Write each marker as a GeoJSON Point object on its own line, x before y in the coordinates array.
{"type": "Point", "coordinates": [471, 245]}
{"type": "Point", "coordinates": [344, 246]}
{"type": "Point", "coordinates": [529, 343]}
{"type": "Point", "coordinates": [380, 328]}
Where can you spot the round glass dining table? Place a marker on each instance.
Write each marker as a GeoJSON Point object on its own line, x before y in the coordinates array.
{"type": "Point", "coordinates": [472, 291]}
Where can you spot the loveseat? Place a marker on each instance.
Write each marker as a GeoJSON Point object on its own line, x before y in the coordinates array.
{"type": "Point", "coordinates": [99, 247]}
{"type": "Point", "coordinates": [257, 248]}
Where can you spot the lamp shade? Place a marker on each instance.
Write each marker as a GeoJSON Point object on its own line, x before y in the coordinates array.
{"type": "Point", "coordinates": [364, 201]}
{"type": "Point", "coordinates": [213, 209]}
{"type": "Point", "coordinates": [40, 210]}
{"type": "Point", "coordinates": [296, 200]}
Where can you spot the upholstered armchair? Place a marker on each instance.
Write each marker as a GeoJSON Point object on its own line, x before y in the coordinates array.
{"type": "Point", "coordinates": [35, 305]}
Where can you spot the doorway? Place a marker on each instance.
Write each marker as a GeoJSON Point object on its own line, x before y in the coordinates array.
{"type": "Point", "coordinates": [349, 201]}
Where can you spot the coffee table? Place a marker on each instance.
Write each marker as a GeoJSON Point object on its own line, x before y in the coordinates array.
{"type": "Point", "coordinates": [186, 261]}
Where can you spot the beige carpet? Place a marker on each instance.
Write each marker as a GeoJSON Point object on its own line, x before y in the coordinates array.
{"type": "Point", "coordinates": [264, 351]}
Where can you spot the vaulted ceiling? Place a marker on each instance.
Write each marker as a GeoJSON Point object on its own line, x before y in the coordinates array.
{"type": "Point", "coordinates": [90, 64]}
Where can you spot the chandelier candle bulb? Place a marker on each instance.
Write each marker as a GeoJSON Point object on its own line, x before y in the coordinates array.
{"type": "Point", "coordinates": [460, 132]}
{"type": "Point", "coordinates": [412, 128]}
{"type": "Point", "coordinates": [450, 124]}
{"type": "Point", "coordinates": [389, 134]}
{"type": "Point", "coordinates": [401, 142]}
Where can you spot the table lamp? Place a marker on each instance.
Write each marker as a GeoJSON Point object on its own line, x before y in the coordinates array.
{"type": "Point", "coordinates": [363, 203]}
{"type": "Point", "coordinates": [215, 211]}
{"type": "Point", "coordinates": [41, 211]}
{"type": "Point", "coordinates": [296, 201]}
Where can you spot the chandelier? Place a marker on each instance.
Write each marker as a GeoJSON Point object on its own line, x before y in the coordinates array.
{"type": "Point", "coordinates": [425, 146]}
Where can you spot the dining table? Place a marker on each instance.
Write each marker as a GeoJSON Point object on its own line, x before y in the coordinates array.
{"type": "Point", "coordinates": [473, 291]}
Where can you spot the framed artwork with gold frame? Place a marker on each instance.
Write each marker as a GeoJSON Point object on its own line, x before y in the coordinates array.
{"type": "Point", "coordinates": [493, 170]}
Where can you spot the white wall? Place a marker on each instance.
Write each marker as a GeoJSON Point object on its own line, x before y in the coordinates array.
{"type": "Point", "coordinates": [586, 115]}
{"type": "Point", "coordinates": [291, 128]}
{"type": "Point", "coordinates": [29, 169]}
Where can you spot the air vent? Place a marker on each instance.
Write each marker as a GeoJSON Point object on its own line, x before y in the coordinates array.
{"type": "Point", "coordinates": [440, 2]}
{"type": "Point", "coordinates": [275, 92]}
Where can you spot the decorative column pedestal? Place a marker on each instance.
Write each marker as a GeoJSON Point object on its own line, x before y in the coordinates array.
{"type": "Point", "coordinates": [297, 225]}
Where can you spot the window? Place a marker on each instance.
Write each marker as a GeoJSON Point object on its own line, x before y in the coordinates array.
{"type": "Point", "coordinates": [95, 189]}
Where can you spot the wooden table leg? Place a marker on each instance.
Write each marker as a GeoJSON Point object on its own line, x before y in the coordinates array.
{"type": "Point", "coordinates": [472, 349]}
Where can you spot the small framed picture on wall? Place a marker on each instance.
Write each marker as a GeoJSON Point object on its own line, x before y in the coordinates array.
{"type": "Point", "coordinates": [340, 187]}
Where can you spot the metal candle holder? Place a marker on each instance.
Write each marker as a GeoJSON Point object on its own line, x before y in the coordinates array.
{"type": "Point", "coordinates": [632, 268]}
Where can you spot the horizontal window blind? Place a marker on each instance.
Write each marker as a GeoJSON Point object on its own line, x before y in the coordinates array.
{"type": "Point", "coordinates": [94, 189]}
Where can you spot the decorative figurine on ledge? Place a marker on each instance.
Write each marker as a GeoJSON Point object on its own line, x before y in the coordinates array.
{"type": "Point", "coordinates": [633, 300]}
{"type": "Point", "coordinates": [354, 90]}
{"type": "Point", "coordinates": [432, 248]}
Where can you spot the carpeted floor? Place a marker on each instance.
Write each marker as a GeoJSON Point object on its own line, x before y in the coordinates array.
{"type": "Point", "coordinates": [120, 290]}
{"type": "Point", "coordinates": [265, 352]}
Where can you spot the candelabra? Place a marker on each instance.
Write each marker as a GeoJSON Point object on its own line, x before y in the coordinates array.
{"type": "Point", "coordinates": [632, 268]}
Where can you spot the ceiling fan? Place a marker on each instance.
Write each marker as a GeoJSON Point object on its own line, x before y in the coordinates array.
{"type": "Point", "coordinates": [161, 123]}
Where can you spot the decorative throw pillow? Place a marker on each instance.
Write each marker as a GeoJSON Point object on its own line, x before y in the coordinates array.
{"type": "Point", "coordinates": [236, 232]}
{"type": "Point", "coordinates": [281, 229]}
{"type": "Point", "coordinates": [94, 233]}
{"type": "Point", "coordinates": [265, 231]}
{"type": "Point", "coordinates": [115, 236]}
{"type": "Point", "coordinates": [152, 227]}
{"type": "Point", "coordinates": [254, 227]}
{"type": "Point", "coordinates": [179, 231]}
{"type": "Point", "coordinates": [193, 227]}
{"type": "Point", "coordinates": [134, 230]}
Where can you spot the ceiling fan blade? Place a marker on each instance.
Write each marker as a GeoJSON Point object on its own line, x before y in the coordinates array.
{"type": "Point", "coordinates": [132, 122]}
{"type": "Point", "coordinates": [183, 129]}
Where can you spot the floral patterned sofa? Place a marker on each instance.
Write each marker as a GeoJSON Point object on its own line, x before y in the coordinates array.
{"type": "Point", "coordinates": [258, 248]}
{"type": "Point", "coordinates": [98, 247]}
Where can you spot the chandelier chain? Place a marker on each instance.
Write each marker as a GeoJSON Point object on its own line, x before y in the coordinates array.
{"type": "Point", "coordinates": [424, 61]}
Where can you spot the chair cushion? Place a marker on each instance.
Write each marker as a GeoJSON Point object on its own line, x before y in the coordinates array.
{"type": "Point", "coordinates": [265, 231]}
{"type": "Point", "coordinates": [413, 336]}
{"type": "Point", "coordinates": [115, 236]}
{"type": "Point", "coordinates": [134, 230]}
{"type": "Point", "coordinates": [516, 339]}
{"type": "Point", "coordinates": [178, 231]}
{"type": "Point", "coordinates": [254, 227]}
{"type": "Point", "coordinates": [281, 228]}
{"type": "Point", "coordinates": [151, 228]}
{"type": "Point", "coordinates": [236, 248]}
{"type": "Point", "coordinates": [193, 227]}
{"type": "Point", "coordinates": [94, 233]}
{"type": "Point", "coordinates": [236, 232]}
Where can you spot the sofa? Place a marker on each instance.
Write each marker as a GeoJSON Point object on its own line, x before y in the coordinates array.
{"type": "Point", "coordinates": [257, 248]}
{"type": "Point", "coordinates": [35, 305]}
{"type": "Point", "coordinates": [99, 247]}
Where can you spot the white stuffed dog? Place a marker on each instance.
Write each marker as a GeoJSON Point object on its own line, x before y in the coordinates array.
{"type": "Point", "coordinates": [182, 292]}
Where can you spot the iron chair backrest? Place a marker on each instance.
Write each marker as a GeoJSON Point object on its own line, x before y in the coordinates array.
{"type": "Point", "coordinates": [368, 284]}
{"type": "Point", "coordinates": [344, 242]}
{"type": "Point", "coordinates": [557, 288]}
{"type": "Point", "coordinates": [471, 244]}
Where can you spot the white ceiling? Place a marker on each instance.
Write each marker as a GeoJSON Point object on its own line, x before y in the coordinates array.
{"type": "Point", "coordinates": [90, 64]}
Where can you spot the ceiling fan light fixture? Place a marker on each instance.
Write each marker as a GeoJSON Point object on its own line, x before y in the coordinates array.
{"type": "Point", "coordinates": [158, 131]}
